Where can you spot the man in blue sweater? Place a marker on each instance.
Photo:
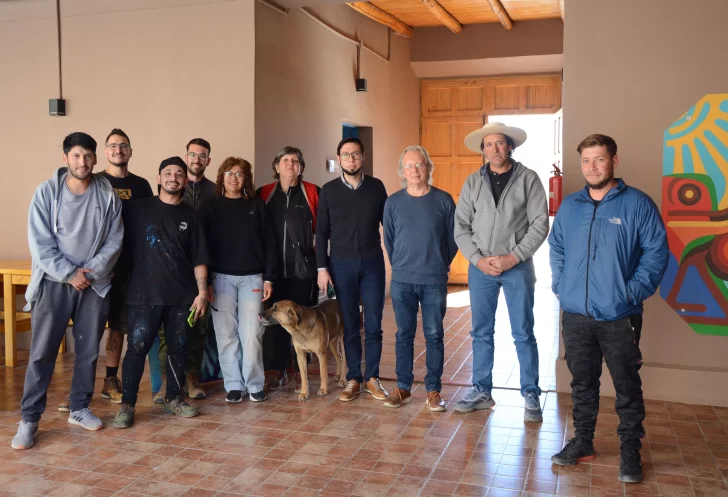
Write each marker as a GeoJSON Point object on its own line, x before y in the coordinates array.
{"type": "Point", "coordinates": [420, 242]}
{"type": "Point", "coordinates": [608, 254]}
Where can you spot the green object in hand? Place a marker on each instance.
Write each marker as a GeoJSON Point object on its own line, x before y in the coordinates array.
{"type": "Point", "coordinates": [191, 318]}
{"type": "Point", "coordinates": [330, 291]}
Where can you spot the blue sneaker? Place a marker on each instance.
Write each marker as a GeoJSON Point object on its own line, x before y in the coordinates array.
{"type": "Point", "coordinates": [25, 438]}
{"type": "Point", "coordinates": [475, 399]}
{"type": "Point", "coordinates": [533, 408]}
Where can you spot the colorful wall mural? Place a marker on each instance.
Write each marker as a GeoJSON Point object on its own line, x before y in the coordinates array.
{"type": "Point", "coordinates": [695, 211]}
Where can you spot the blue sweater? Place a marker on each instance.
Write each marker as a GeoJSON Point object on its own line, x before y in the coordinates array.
{"type": "Point", "coordinates": [607, 259]}
{"type": "Point", "coordinates": [419, 236]}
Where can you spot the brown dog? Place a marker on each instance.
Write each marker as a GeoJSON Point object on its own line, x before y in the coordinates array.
{"type": "Point", "coordinates": [313, 329]}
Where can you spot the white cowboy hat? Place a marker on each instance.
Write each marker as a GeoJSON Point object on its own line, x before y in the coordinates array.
{"type": "Point", "coordinates": [474, 139]}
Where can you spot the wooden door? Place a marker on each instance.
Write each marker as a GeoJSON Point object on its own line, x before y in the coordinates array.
{"type": "Point", "coordinates": [451, 109]}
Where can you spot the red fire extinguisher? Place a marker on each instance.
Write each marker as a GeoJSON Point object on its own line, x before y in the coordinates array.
{"type": "Point", "coordinates": [555, 191]}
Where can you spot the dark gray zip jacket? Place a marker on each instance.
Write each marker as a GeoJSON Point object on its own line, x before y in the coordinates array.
{"type": "Point", "coordinates": [518, 225]}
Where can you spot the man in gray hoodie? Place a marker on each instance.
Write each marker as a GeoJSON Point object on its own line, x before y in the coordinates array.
{"type": "Point", "coordinates": [500, 221]}
{"type": "Point", "coordinates": [75, 235]}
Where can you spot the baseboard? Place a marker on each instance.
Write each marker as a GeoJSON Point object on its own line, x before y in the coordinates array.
{"type": "Point", "coordinates": [671, 383]}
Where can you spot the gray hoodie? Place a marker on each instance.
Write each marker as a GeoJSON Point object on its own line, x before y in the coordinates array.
{"type": "Point", "coordinates": [518, 226]}
{"type": "Point", "coordinates": [43, 229]}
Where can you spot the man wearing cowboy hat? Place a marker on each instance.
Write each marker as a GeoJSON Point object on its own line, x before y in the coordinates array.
{"type": "Point", "coordinates": [500, 221]}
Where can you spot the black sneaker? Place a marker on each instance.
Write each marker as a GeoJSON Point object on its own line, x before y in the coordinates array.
{"type": "Point", "coordinates": [575, 451]}
{"type": "Point", "coordinates": [258, 396]}
{"type": "Point", "coordinates": [234, 397]}
{"type": "Point", "coordinates": [630, 466]}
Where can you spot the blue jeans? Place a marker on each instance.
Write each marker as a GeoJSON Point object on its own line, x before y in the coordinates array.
{"type": "Point", "coordinates": [356, 279]}
{"type": "Point", "coordinates": [518, 285]}
{"type": "Point", "coordinates": [238, 330]}
{"type": "Point", "coordinates": [406, 300]}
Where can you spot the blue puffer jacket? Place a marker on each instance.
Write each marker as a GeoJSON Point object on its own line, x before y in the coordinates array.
{"type": "Point", "coordinates": [607, 259]}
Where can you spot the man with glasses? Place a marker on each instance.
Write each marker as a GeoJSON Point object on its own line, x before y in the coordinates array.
{"type": "Point", "coordinates": [198, 191]}
{"type": "Point", "coordinates": [420, 242]}
{"type": "Point", "coordinates": [129, 187]}
{"type": "Point", "coordinates": [350, 211]}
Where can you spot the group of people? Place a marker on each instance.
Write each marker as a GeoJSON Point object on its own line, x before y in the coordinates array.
{"type": "Point", "coordinates": [105, 249]}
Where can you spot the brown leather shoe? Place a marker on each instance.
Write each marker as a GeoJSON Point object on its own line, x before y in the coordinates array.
{"type": "Point", "coordinates": [376, 389]}
{"type": "Point", "coordinates": [435, 402]}
{"type": "Point", "coordinates": [275, 380]}
{"type": "Point", "coordinates": [399, 396]}
{"type": "Point", "coordinates": [352, 390]}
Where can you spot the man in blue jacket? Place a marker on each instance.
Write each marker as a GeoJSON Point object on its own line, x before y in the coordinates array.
{"type": "Point", "coordinates": [608, 254]}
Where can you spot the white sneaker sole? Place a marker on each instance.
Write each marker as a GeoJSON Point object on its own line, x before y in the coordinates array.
{"type": "Point", "coordinates": [72, 421]}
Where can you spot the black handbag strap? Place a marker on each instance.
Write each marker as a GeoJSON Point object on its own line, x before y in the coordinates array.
{"type": "Point", "coordinates": [292, 233]}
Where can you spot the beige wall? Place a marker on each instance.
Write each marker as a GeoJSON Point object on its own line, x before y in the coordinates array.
{"type": "Point", "coordinates": [488, 41]}
{"type": "Point", "coordinates": [305, 91]}
{"type": "Point", "coordinates": [164, 71]}
{"type": "Point", "coordinates": [630, 76]}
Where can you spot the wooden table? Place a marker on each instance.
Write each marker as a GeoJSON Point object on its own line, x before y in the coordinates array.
{"type": "Point", "coordinates": [14, 274]}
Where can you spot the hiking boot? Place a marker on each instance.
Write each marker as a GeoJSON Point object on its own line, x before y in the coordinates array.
{"type": "Point", "coordinates": [532, 411]}
{"type": "Point", "coordinates": [65, 406]}
{"type": "Point", "coordinates": [257, 396]}
{"type": "Point", "coordinates": [435, 402]}
{"type": "Point", "coordinates": [630, 466]}
{"type": "Point", "coordinates": [234, 397]}
{"type": "Point", "coordinates": [350, 392]}
{"type": "Point", "coordinates": [125, 417]}
{"type": "Point", "coordinates": [112, 390]}
{"type": "Point", "coordinates": [192, 385]}
{"type": "Point", "coordinates": [159, 396]}
{"type": "Point", "coordinates": [181, 408]}
{"type": "Point", "coordinates": [399, 396]}
{"type": "Point", "coordinates": [375, 388]}
{"type": "Point", "coordinates": [25, 438]}
{"type": "Point", "coordinates": [276, 380]}
{"type": "Point", "coordinates": [577, 450]}
{"type": "Point", "coordinates": [85, 419]}
{"type": "Point", "coordinates": [475, 399]}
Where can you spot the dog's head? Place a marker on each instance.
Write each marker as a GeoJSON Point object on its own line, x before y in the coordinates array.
{"type": "Point", "coordinates": [286, 313]}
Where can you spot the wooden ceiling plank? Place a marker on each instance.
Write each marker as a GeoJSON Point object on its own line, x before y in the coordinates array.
{"type": "Point", "coordinates": [561, 9]}
{"type": "Point", "coordinates": [382, 17]}
{"type": "Point", "coordinates": [497, 7]}
{"type": "Point", "coordinates": [443, 15]}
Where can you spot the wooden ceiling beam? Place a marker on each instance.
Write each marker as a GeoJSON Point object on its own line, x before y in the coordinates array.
{"type": "Point", "coordinates": [443, 15]}
{"type": "Point", "coordinates": [497, 7]}
{"type": "Point", "coordinates": [561, 9]}
{"type": "Point", "coordinates": [382, 17]}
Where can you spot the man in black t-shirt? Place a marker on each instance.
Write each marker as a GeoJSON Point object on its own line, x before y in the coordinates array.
{"type": "Point", "coordinates": [168, 258]}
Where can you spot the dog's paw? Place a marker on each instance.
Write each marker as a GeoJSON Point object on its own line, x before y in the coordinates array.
{"type": "Point", "coordinates": [342, 382]}
{"type": "Point", "coordinates": [302, 397]}
{"type": "Point", "coordinates": [297, 390]}
{"type": "Point", "coordinates": [322, 392]}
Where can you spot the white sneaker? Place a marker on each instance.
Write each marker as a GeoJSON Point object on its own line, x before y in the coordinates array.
{"type": "Point", "coordinates": [85, 419]}
{"type": "Point", "coordinates": [25, 438]}
{"type": "Point", "coordinates": [532, 408]}
{"type": "Point", "coordinates": [475, 399]}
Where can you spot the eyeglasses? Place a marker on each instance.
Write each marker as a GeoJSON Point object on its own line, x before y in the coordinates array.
{"type": "Point", "coordinates": [237, 174]}
{"type": "Point", "coordinates": [410, 165]}
{"type": "Point", "coordinates": [192, 155]}
{"type": "Point", "coordinates": [354, 155]}
{"type": "Point", "coordinates": [118, 146]}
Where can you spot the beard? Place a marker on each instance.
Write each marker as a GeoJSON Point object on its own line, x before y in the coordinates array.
{"type": "Point", "coordinates": [119, 163]}
{"type": "Point", "coordinates": [172, 190]}
{"type": "Point", "coordinates": [601, 184]}
{"type": "Point", "coordinates": [81, 177]}
{"type": "Point", "coordinates": [351, 173]}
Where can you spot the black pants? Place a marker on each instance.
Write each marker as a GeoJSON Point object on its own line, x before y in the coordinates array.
{"type": "Point", "coordinates": [276, 340]}
{"type": "Point", "coordinates": [144, 324]}
{"type": "Point", "coordinates": [586, 342]}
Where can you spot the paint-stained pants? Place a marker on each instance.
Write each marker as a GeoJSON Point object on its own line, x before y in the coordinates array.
{"type": "Point", "coordinates": [144, 324]}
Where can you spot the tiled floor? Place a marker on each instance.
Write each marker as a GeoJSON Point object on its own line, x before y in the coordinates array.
{"type": "Point", "coordinates": [327, 448]}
